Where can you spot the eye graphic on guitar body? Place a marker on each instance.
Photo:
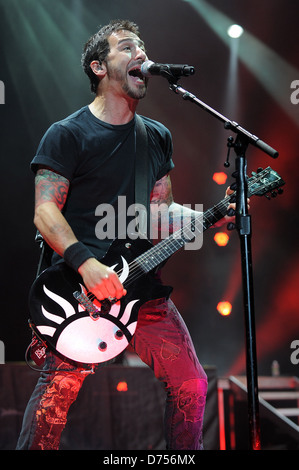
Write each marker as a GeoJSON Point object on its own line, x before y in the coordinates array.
{"type": "Point", "coordinates": [75, 332]}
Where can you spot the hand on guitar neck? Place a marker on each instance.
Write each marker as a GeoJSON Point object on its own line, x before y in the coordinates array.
{"type": "Point", "coordinates": [230, 216]}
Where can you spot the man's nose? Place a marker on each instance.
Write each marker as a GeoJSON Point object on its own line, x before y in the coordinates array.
{"type": "Point", "coordinates": [140, 54]}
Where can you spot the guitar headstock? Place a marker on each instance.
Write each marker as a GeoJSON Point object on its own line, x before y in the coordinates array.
{"type": "Point", "coordinates": [265, 181]}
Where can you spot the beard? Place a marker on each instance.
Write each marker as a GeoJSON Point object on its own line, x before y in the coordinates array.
{"type": "Point", "coordinates": [136, 93]}
{"type": "Point", "coordinates": [134, 90]}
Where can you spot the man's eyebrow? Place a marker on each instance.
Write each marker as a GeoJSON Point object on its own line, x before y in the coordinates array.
{"type": "Point", "coordinates": [129, 39]}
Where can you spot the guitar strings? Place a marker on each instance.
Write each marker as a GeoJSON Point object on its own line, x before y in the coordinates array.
{"type": "Point", "coordinates": [220, 207]}
{"type": "Point", "coordinates": [135, 269]}
{"type": "Point", "coordinates": [174, 240]}
{"type": "Point", "coordinates": [177, 240]}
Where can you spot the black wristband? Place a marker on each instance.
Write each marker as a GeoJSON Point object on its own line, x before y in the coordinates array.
{"type": "Point", "coordinates": [76, 254]}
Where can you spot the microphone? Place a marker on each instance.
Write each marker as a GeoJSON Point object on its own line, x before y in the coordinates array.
{"type": "Point", "coordinates": [150, 68]}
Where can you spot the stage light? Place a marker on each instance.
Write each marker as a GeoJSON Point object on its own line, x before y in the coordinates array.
{"type": "Point", "coordinates": [235, 31]}
{"type": "Point", "coordinates": [270, 69]}
{"type": "Point", "coordinates": [224, 308]}
{"type": "Point", "coordinates": [221, 238]}
{"type": "Point", "coordinates": [220, 177]}
{"type": "Point", "coordinates": [122, 387]}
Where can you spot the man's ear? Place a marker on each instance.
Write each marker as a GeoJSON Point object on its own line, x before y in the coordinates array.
{"type": "Point", "coordinates": [97, 68]}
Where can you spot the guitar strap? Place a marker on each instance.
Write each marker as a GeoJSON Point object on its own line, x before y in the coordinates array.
{"type": "Point", "coordinates": [45, 253]}
{"type": "Point", "coordinates": [142, 196]}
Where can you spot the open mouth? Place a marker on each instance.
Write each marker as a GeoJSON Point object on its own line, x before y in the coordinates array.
{"type": "Point", "coordinates": [136, 74]}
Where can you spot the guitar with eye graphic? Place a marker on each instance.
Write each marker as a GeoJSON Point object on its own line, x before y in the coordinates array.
{"type": "Point", "coordinates": [74, 323]}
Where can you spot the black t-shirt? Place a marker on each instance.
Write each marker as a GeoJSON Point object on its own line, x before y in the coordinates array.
{"type": "Point", "coordinates": [98, 159]}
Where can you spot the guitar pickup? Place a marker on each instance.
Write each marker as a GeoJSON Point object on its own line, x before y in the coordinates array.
{"type": "Point", "coordinates": [87, 304]}
{"type": "Point", "coordinates": [90, 307]}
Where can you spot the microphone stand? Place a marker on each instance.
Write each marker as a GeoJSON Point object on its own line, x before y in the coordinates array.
{"type": "Point", "coordinates": [243, 225]}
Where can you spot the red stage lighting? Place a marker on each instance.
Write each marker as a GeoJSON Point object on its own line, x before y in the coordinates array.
{"type": "Point", "coordinates": [221, 238]}
{"type": "Point", "coordinates": [122, 387]}
{"type": "Point", "coordinates": [224, 308]}
{"type": "Point", "coordinates": [220, 177]}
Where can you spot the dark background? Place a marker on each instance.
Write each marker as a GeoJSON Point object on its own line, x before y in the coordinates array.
{"type": "Point", "coordinates": [41, 44]}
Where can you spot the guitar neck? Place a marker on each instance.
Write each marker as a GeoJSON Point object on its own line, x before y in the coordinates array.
{"type": "Point", "coordinates": [195, 226]}
{"type": "Point", "coordinates": [259, 184]}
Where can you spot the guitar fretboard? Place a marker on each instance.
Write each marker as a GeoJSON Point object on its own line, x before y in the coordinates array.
{"type": "Point", "coordinates": [186, 234]}
{"type": "Point", "coordinates": [259, 184]}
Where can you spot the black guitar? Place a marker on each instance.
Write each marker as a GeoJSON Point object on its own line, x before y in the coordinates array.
{"type": "Point", "coordinates": [88, 331]}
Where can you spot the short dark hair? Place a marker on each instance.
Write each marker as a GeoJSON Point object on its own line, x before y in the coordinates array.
{"type": "Point", "coordinates": [97, 47]}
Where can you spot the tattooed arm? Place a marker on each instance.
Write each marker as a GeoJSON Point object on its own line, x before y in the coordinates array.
{"type": "Point", "coordinates": [51, 190]}
{"type": "Point", "coordinates": [167, 214]}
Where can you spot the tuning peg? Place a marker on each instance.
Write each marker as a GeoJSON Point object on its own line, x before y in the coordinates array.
{"type": "Point", "coordinates": [231, 226]}
{"type": "Point", "coordinates": [259, 169]}
{"type": "Point", "coordinates": [274, 193]}
{"type": "Point", "coordinates": [231, 212]}
{"type": "Point", "coordinates": [235, 174]}
{"type": "Point", "coordinates": [233, 186]}
{"type": "Point", "coordinates": [280, 191]}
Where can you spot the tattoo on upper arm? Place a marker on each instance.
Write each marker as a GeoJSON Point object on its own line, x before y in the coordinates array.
{"type": "Point", "coordinates": [50, 187]}
{"type": "Point", "coordinates": [161, 199]}
{"type": "Point", "coordinates": [162, 192]}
